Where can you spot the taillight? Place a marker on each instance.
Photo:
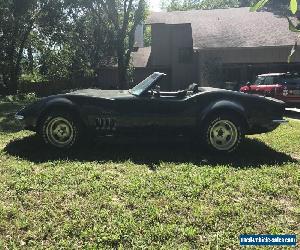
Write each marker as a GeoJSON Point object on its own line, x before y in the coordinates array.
{"type": "Point", "coordinates": [285, 91]}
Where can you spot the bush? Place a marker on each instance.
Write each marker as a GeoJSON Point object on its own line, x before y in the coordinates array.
{"type": "Point", "coordinates": [27, 97]}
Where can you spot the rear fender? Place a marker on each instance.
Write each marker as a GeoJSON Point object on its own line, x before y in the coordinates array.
{"type": "Point", "coordinates": [224, 106]}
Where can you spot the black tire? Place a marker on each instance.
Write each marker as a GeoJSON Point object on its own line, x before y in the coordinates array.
{"type": "Point", "coordinates": [60, 130]}
{"type": "Point", "coordinates": [223, 133]}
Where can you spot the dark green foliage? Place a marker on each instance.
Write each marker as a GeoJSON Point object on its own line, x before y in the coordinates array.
{"type": "Point", "coordinates": [25, 25]}
{"type": "Point", "coordinates": [17, 20]}
{"type": "Point", "coordinates": [74, 39]}
{"type": "Point", "coordinates": [123, 18]}
{"type": "Point", "coordinates": [293, 8]}
{"type": "Point", "coordinates": [172, 5]}
{"type": "Point", "coordinates": [259, 5]}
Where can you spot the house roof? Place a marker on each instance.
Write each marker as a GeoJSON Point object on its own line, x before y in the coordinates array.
{"type": "Point", "coordinates": [141, 57]}
{"type": "Point", "coordinates": [230, 28]}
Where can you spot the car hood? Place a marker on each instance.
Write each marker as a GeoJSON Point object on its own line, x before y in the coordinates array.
{"type": "Point", "coordinates": [109, 94]}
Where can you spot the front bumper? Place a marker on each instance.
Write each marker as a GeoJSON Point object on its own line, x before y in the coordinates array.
{"type": "Point", "coordinates": [19, 117]}
{"type": "Point", "coordinates": [20, 120]}
{"type": "Point", "coordinates": [26, 123]}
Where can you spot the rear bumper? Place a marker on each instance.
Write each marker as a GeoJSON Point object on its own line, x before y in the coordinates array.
{"type": "Point", "coordinates": [280, 121]}
{"type": "Point", "coordinates": [266, 127]}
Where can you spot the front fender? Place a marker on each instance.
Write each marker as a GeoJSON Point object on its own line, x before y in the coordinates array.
{"type": "Point", "coordinates": [32, 114]}
{"type": "Point", "coordinates": [58, 104]}
{"type": "Point", "coordinates": [61, 101]}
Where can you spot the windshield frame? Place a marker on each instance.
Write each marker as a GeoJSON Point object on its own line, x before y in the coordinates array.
{"type": "Point", "coordinates": [145, 85]}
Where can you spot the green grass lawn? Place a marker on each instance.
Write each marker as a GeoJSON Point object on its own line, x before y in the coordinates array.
{"type": "Point", "coordinates": [152, 195]}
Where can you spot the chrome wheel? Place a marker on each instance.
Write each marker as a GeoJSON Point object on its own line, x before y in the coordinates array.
{"type": "Point", "coordinates": [223, 135]}
{"type": "Point", "coordinates": [60, 132]}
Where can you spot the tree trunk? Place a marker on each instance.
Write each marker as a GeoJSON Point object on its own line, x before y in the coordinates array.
{"type": "Point", "coordinates": [122, 69]}
{"type": "Point", "coordinates": [12, 81]}
{"type": "Point", "coordinates": [16, 57]}
{"type": "Point", "coordinates": [30, 58]}
{"type": "Point", "coordinates": [122, 74]}
{"type": "Point", "coordinates": [12, 85]}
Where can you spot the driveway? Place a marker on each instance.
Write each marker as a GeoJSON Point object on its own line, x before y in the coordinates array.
{"type": "Point", "coordinates": [293, 113]}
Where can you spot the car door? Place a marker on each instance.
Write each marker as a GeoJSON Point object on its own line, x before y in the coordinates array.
{"type": "Point", "coordinates": [150, 114]}
{"type": "Point", "coordinates": [164, 114]}
{"type": "Point", "coordinates": [260, 87]}
{"type": "Point", "coordinates": [256, 87]}
{"type": "Point", "coordinates": [266, 87]}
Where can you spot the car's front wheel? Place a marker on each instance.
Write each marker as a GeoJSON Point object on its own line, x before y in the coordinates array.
{"type": "Point", "coordinates": [223, 133]}
{"type": "Point", "coordinates": [60, 130]}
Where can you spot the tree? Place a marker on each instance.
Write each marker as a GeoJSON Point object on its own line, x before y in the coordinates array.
{"type": "Point", "coordinates": [293, 8]}
{"type": "Point", "coordinates": [123, 17]}
{"type": "Point", "coordinates": [16, 25]}
{"type": "Point", "coordinates": [172, 5]}
{"type": "Point", "coordinates": [91, 38]}
{"type": "Point", "coordinates": [103, 33]}
{"type": "Point", "coordinates": [54, 39]}
{"type": "Point", "coordinates": [19, 20]}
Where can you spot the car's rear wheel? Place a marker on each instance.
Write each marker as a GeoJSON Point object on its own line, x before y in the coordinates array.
{"type": "Point", "coordinates": [223, 133]}
{"type": "Point", "coordinates": [60, 130]}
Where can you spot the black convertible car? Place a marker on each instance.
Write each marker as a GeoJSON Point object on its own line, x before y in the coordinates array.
{"type": "Point", "coordinates": [218, 117]}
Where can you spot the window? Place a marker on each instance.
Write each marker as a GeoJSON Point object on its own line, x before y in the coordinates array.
{"type": "Point", "coordinates": [269, 80]}
{"type": "Point", "coordinates": [260, 80]}
{"type": "Point", "coordinates": [185, 55]}
{"type": "Point", "coordinates": [277, 80]}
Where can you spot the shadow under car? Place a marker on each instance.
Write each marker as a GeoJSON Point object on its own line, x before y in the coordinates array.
{"type": "Point", "coordinates": [252, 153]}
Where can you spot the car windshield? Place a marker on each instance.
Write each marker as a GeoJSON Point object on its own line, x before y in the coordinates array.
{"type": "Point", "coordinates": [145, 84]}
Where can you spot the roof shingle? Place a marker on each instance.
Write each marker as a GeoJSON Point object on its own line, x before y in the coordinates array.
{"type": "Point", "coordinates": [230, 28]}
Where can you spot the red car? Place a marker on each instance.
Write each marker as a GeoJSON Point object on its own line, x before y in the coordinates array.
{"type": "Point", "coordinates": [282, 86]}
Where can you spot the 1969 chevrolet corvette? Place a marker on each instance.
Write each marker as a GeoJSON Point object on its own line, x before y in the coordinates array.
{"type": "Point", "coordinates": [220, 118]}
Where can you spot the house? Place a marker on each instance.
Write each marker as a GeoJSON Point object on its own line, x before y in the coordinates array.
{"type": "Point", "coordinates": [213, 47]}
